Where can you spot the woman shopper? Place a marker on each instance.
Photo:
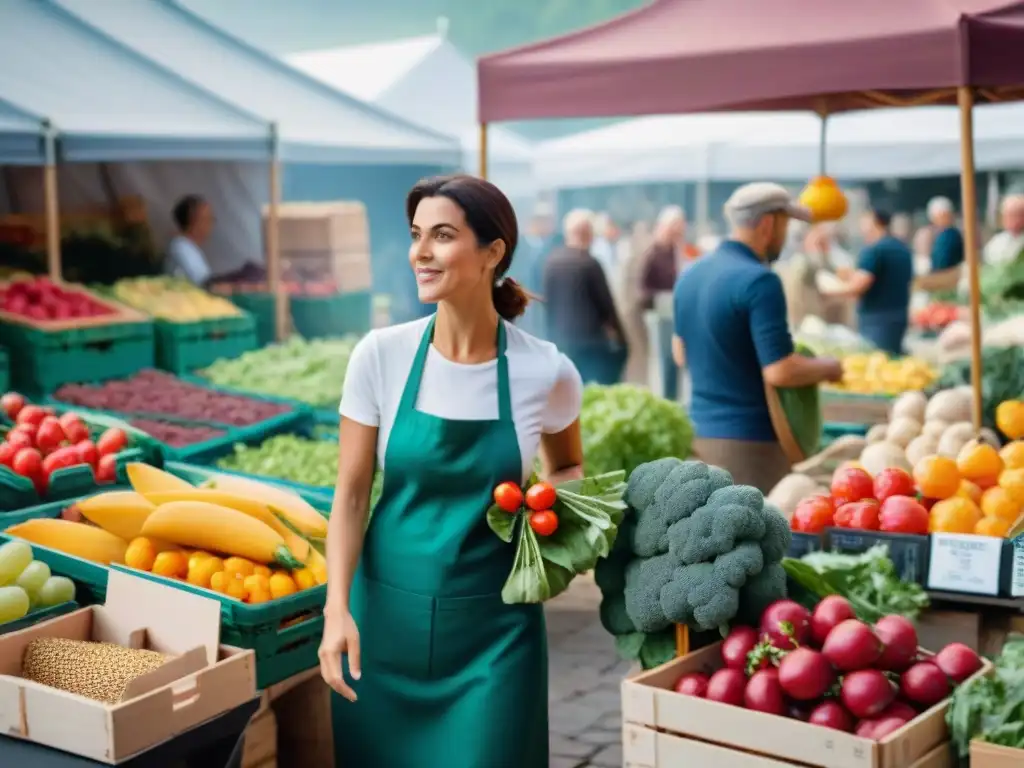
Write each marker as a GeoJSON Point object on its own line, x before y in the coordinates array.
{"type": "Point", "coordinates": [431, 667]}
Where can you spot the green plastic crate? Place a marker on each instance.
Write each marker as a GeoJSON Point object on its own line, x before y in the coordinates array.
{"type": "Point", "coordinates": [183, 347]}
{"type": "Point", "coordinates": [261, 307]}
{"type": "Point", "coordinates": [5, 371]}
{"type": "Point", "coordinates": [35, 617]}
{"type": "Point", "coordinates": [42, 361]}
{"type": "Point", "coordinates": [335, 315]}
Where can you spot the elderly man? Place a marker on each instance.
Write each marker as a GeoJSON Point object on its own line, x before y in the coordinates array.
{"type": "Point", "coordinates": [580, 311]}
{"type": "Point", "coordinates": [730, 321]}
{"type": "Point", "coordinates": [1008, 245]}
{"type": "Point", "coordinates": [947, 254]}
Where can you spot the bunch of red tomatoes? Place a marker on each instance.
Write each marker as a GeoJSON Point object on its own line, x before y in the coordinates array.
{"type": "Point", "coordinates": [539, 500]}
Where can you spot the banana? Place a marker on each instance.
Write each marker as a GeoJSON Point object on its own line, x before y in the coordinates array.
{"type": "Point", "coordinates": [255, 509]}
{"type": "Point", "coordinates": [317, 565]}
{"type": "Point", "coordinates": [122, 513]}
{"type": "Point", "coordinates": [296, 511]}
{"type": "Point", "coordinates": [146, 479]}
{"type": "Point", "coordinates": [85, 541]}
{"type": "Point", "coordinates": [213, 527]}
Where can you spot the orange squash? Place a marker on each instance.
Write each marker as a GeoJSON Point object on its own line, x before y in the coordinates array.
{"type": "Point", "coordinates": [825, 200]}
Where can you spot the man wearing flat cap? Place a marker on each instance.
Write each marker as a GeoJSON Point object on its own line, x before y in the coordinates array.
{"type": "Point", "coordinates": [731, 325]}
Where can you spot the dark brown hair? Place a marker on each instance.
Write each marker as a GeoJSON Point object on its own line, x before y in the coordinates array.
{"type": "Point", "coordinates": [491, 217]}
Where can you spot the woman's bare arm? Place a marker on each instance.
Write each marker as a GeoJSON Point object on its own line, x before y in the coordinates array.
{"type": "Point", "coordinates": [356, 464]}
{"type": "Point", "coordinates": [561, 454]}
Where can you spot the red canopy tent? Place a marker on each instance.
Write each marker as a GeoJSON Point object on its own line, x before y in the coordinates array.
{"type": "Point", "coordinates": [704, 55]}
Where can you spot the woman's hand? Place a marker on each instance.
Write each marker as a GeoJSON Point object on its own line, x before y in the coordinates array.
{"type": "Point", "coordinates": [341, 636]}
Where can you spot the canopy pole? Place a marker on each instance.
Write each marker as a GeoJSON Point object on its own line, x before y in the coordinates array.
{"type": "Point", "coordinates": [274, 242]}
{"type": "Point", "coordinates": [969, 203]}
{"type": "Point", "coordinates": [483, 150]}
{"type": "Point", "coordinates": [51, 205]}
{"type": "Point", "coordinates": [823, 144]}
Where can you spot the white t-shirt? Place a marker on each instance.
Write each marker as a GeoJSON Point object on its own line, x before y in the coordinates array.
{"type": "Point", "coordinates": [185, 259]}
{"type": "Point", "coordinates": [546, 388]}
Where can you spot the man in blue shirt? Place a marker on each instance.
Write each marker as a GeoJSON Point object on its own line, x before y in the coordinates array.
{"type": "Point", "coordinates": [730, 323]}
{"type": "Point", "coordinates": [882, 284]}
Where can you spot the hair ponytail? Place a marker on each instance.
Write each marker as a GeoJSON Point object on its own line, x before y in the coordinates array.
{"type": "Point", "coordinates": [510, 299]}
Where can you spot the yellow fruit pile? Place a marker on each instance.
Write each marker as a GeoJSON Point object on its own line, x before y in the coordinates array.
{"type": "Point", "coordinates": [172, 299]}
{"type": "Point", "coordinates": [981, 492]}
{"type": "Point", "coordinates": [876, 374]}
{"type": "Point", "coordinates": [239, 537]}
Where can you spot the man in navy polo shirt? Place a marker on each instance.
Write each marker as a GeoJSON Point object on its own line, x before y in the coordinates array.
{"type": "Point", "coordinates": [730, 323]}
{"type": "Point", "coordinates": [882, 284]}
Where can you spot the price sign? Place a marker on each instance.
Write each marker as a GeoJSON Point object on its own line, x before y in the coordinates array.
{"type": "Point", "coordinates": [1017, 584]}
{"type": "Point", "coordinates": [965, 563]}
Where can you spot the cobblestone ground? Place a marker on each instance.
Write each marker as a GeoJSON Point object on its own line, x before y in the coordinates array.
{"type": "Point", "coordinates": [585, 673]}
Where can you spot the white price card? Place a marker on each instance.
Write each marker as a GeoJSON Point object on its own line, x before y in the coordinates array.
{"type": "Point", "coordinates": [1017, 584]}
{"type": "Point", "coordinates": [965, 563]}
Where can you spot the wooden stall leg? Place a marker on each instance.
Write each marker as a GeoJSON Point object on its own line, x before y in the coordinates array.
{"type": "Point", "coordinates": [483, 150]}
{"type": "Point", "coordinates": [51, 206]}
{"type": "Point", "coordinates": [969, 193]}
{"type": "Point", "coordinates": [274, 245]}
{"type": "Point", "coordinates": [682, 640]}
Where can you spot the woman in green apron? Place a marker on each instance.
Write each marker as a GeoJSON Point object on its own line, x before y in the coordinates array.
{"type": "Point", "coordinates": [430, 666]}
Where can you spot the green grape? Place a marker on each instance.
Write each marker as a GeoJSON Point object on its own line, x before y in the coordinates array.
{"type": "Point", "coordinates": [13, 604]}
{"type": "Point", "coordinates": [14, 558]}
{"type": "Point", "coordinates": [56, 590]}
{"type": "Point", "coordinates": [33, 577]}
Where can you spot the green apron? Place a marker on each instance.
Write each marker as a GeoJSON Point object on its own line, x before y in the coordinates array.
{"type": "Point", "coordinates": [451, 675]}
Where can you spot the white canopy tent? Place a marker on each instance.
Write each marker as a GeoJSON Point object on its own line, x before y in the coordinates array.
{"type": "Point", "coordinates": [426, 80]}
{"type": "Point", "coordinates": [21, 136]}
{"type": "Point", "coordinates": [876, 144]}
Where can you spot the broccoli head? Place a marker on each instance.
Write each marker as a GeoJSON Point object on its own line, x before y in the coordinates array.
{"type": "Point", "coordinates": [777, 536]}
{"type": "Point", "coordinates": [706, 596]}
{"type": "Point", "coordinates": [614, 617]}
{"type": "Point", "coordinates": [682, 491]}
{"type": "Point", "coordinates": [645, 579]}
{"type": "Point", "coordinates": [731, 515]}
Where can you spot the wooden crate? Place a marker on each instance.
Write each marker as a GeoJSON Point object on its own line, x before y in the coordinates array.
{"type": "Point", "coordinates": [985, 755]}
{"type": "Point", "coordinates": [29, 229]}
{"type": "Point", "coordinates": [292, 727]}
{"type": "Point", "coordinates": [839, 407]}
{"type": "Point", "coordinates": [120, 313]}
{"type": "Point", "coordinates": [649, 702]}
{"type": "Point", "coordinates": [647, 748]}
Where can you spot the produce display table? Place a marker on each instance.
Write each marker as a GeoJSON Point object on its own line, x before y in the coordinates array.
{"type": "Point", "coordinates": [217, 743]}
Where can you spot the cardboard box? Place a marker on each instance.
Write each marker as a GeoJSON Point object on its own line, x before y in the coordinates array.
{"type": "Point", "coordinates": [649, 701]}
{"type": "Point", "coordinates": [985, 755]}
{"type": "Point", "coordinates": [202, 681]}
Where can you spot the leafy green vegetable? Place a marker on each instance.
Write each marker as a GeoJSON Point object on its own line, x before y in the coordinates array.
{"type": "Point", "coordinates": [625, 426]}
{"type": "Point", "coordinates": [802, 407]}
{"type": "Point", "coordinates": [310, 371]}
{"type": "Point", "coordinates": [868, 580]}
{"type": "Point", "coordinates": [991, 708]}
{"type": "Point", "coordinates": [589, 512]}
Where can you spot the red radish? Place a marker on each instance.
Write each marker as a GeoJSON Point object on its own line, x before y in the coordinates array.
{"type": "Point", "coordinates": [28, 462]}
{"type": "Point", "coordinates": [866, 693]}
{"type": "Point", "coordinates": [884, 726]}
{"type": "Point", "coordinates": [74, 428]}
{"type": "Point", "coordinates": [925, 684]}
{"type": "Point", "coordinates": [958, 662]}
{"type": "Point", "coordinates": [866, 728]}
{"type": "Point", "coordinates": [693, 684]}
{"type": "Point", "coordinates": [899, 709]}
{"type": "Point", "coordinates": [106, 469]}
{"type": "Point", "coordinates": [62, 458]}
{"type": "Point", "coordinates": [27, 429]}
{"type": "Point", "coordinates": [727, 686]}
{"type": "Point", "coordinates": [830, 714]}
{"type": "Point", "coordinates": [829, 613]}
{"type": "Point", "coordinates": [7, 451]}
{"type": "Point", "coordinates": [737, 645]}
{"type": "Point", "coordinates": [851, 645]}
{"type": "Point", "coordinates": [11, 403]}
{"type": "Point", "coordinates": [805, 675]}
{"type": "Point", "coordinates": [19, 438]}
{"type": "Point", "coordinates": [30, 414]}
{"type": "Point", "coordinates": [764, 693]}
{"type": "Point", "coordinates": [899, 637]}
{"type": "Point", "coordinates": [786, 623]}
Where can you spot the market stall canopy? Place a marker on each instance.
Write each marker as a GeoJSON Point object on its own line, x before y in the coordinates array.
{"type": "Point", "coordinates": [316, 124]}
{"type": "Point", "coordinates": [703, 55]}
{"type": "Point", "coordinates": [426, 79]}
{"type": "Point", "coordinates": [21, 136]}
{"type": "Point", "coordinates": [784, 146]}
{"type": "Point", "coordinates": [107, 103]}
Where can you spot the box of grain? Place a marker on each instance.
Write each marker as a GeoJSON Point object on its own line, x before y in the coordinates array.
{"type": "Point", "coordinates": [109, 682]}
{"type": "Point", "coordinates": [325, 242]}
